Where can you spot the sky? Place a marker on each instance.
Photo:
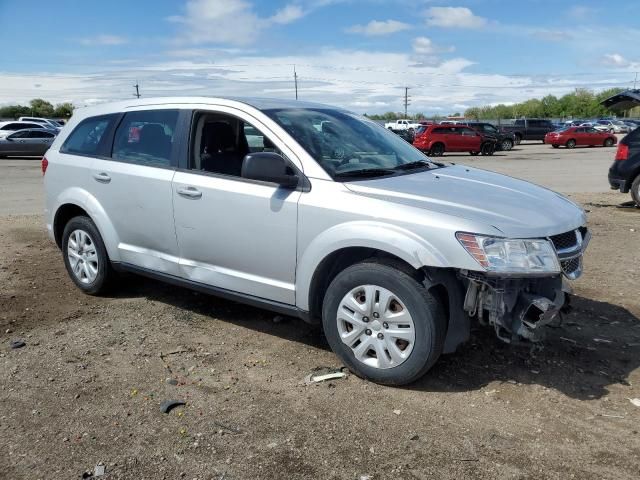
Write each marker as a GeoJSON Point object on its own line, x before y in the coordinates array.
{"type": "Point", "coordinates": [356, 54]}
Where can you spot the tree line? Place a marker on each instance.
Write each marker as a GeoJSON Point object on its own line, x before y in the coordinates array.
{"type": "Point", "coordinates": [581, 103]}
{"type": "Point", "coordinates": [37, 108]}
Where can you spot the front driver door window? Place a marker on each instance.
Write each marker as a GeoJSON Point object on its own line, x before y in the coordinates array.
{"type": "Point", "coordinates": [233, 233]}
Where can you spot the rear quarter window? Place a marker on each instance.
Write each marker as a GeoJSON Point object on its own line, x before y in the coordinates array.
{"type": "Point", "coordinates": [90, 137]}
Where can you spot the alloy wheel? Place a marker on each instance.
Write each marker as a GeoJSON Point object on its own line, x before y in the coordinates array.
{"type": "Point", "coordinates": [83, 257]}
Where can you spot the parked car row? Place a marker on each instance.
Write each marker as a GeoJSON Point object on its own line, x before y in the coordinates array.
{"type": "Point", "coordinates": [27, 136]}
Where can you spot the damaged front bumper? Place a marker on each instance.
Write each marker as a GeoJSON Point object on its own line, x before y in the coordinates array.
{"type": "Point", "coordinates": [519, 308]}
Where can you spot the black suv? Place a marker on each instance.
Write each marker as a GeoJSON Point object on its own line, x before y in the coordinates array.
{"type": "Point", "coordinates": [624, 174]}
{"type": "Point", "coordinates": [504, 140]}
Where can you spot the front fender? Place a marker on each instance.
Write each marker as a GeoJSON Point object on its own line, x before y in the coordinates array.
{"type": "Point", "coordinates": [91, 205]}
{"type": "Point", "coordinates": [402, 243]}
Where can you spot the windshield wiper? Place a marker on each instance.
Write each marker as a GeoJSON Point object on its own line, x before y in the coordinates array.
{"type": "Point", "coordinates": [417, 164]}
{"type": "Point", "coordinates": [365, 172]}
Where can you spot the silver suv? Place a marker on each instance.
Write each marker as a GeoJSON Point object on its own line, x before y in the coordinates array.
{"type": "Point", "coordinates": [315, 212]}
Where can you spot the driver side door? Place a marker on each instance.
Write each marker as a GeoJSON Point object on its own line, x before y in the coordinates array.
{"type": "Point", "coordinates": [234, 234]}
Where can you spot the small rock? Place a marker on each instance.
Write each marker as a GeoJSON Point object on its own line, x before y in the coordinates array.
{"type": "Point", "coordinates": [171, 381]}
{"type": "Point", "coordinates": [272, 445]}
{"type": "Point", "coordinates": [98, 471]}
{"type": "Point", "coordinates": [16, 343]}
{"type": "Point", "coordinates": [8, 330]}
{"type": "Point", "coordinates": [397, 412]}
{"type": "Point", "coordinates": [415, 437]}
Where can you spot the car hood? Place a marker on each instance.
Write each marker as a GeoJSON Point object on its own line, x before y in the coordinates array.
{"type": "Point", "coordinates": [516, 208]}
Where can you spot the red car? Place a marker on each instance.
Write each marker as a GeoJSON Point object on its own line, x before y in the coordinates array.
{"type": "Point", "coordinates": [575, 136]}
{"type": "Point", "coordinates": [434, 140]}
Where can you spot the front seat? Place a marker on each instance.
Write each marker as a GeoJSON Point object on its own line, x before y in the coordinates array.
{"type": "Point", "coordinates": [223, 154]}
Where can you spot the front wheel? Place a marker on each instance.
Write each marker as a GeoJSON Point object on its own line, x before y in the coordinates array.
{"type": "Point", "coordinates": [85, 256]}
{"type": "Point", "coordinates": [383, 323]}
{"type": "Point", "coordinates": [570, 143]}
{"type": "Point", "coordinates": [608, 142]}
{"type": "Point", "coordinates": [487, 148]}
{"type": "Point", "coordinates": [506, 145]}
{"type": "Point", "coordinates": [474, 153]}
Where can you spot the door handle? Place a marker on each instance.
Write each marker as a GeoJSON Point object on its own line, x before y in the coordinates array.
{"type": "Point", "coordinates": [102, 177]}
{"type": "Point", "coordinates": [190, 192]}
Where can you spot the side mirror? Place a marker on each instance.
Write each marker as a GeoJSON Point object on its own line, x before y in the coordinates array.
{"type": "Point", "coordinates": [268, 167]}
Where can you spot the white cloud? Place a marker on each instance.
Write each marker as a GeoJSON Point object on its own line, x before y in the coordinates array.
{"type": "Point", "coordinates": [288, 14]}
{"type": "Point", "coordinates": [423, 46]}
{"type": "Point", "coordinates": [377, 27]}
{"type": "Point", "coordinates": [108, 40]}
{"type": "Point", "coordinates": [218, 21]}
{"type": "Point", "coordinates": [454, 17]}
{"type": "Point", "coordinates": [615, 59]}
{"type": "Point", "coordinates": [581, 12]}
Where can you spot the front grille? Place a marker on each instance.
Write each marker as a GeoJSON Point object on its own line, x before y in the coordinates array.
{"type": "Point", "coordinates": [565, 240]}
{"type": "Point", "coordinates": [572, 266]}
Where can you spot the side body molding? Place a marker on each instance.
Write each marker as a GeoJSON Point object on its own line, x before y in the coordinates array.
{"type": "Point", "coordinates": [392, 239]}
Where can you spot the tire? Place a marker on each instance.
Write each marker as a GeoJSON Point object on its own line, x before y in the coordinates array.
{"type": "Point", "coordinates": [518, 139]}
{"type": "Point", "coordinates": [487, 148]}
{"type": "Point", "coordinates": [555, 146]}
{"type": "Point", "coordinates": [474, 153]}
{"type": "Point", "coordinates": [95, 273]}
{"type": "Point", "coordinates": [436, 150]}
{"type": "Point", "coordinates": [570, 143]}
{"type": "Point", "coordinates": [608, 142]}
{"type": "Point", "coordinates": [506, 145]}
{"type": "Point", "coordinates": [425, 323]}
{"type": "Point", "coordinates": [635, 190]}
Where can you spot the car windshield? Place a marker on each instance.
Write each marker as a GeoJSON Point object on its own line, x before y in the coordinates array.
{"type": "Point", "coordinates": [347, 145]}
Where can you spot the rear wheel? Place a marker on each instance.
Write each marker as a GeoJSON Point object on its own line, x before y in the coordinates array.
{"type": "Point", "coordinates": [487, 148]}
{"type": "Point", "coordinates": [474, 153]}
{"type": "Point", "coordinates": [436, 150]}
{"type": "Point", "coordinates": [635, 190]}
{"type": "Point", "coordinates": [570, 143]}
{"type": "Point", "coordinates": [518, 139]}
{"type": "Point", "coordinates": [608, 142]}
{"type": "Point", "coordinates": [383, 323]}
{"type": "Point", "coordinates": [85, 256]}
{"type": "Point", "coordinates": [555, 146]}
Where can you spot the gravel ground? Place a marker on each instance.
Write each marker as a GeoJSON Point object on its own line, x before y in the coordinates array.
{"type": "Point", "coordinates": [87, 386]}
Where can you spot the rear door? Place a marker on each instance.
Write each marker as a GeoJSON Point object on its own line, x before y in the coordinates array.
{"type": "Point", "coordinates": [132, 183]}
{"type": "Point", "coordinates": [39, 141]}
{"type": "Point", "coordinates": [470, 139]}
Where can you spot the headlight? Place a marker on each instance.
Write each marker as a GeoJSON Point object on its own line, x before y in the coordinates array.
{"type": "Point", "coordinates": [514, 256]}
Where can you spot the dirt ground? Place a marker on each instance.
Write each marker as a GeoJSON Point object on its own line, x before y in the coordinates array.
{"type": "Point", "coordinates": [87, 387]}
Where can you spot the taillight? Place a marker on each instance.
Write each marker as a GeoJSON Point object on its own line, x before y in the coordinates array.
{"type": "Point", "coordinates": [623, 152]}
{"type": "Point", "coordinates": [44, 164]}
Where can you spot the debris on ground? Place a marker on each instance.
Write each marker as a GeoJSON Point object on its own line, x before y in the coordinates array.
{"type": "Point", "coordinates": [322, 374]}
{"type": "Point", "coordinates": [397, 412]}
{"type": "Point", "coordinates": [98, 471]}
{"type": "Point", "coordinates": [171, 381]}
{"type": "Point", "coordinates": [17, 344]}
{"type": "Point", "coordinates": [168, 405]}
{"type": "Point", "coordinates": [635, 401]}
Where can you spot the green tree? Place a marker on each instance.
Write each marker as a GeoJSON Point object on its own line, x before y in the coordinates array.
{"type": "Point", "coordinates": [63, 110]}
{"type": "Point", "coordinates": [41, 108]}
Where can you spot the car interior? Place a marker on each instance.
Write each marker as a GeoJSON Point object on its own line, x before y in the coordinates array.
{"type": "Point", "coordinates": [220, 143]}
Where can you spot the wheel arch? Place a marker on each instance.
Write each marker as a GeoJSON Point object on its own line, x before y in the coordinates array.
{"type": "Point", "coordinates": [72, 204]}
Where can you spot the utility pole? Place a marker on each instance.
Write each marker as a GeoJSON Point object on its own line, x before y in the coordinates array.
{"type": "Point", "coordinates": [137, 87]}
{"type": "Point", "coordinates": [295, 80]}
{"type": "Point", "coordinates": [635, 81]}
{"type": "Point", "coordinates": [406, 100]}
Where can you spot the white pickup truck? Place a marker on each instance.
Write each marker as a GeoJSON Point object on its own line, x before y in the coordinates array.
{"type": "Point", "coordinates": [402, 124]}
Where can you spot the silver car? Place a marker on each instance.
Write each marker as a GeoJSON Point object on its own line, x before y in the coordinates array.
{"type": "Point", "coordinates": [27, 143]}
{"type": "Point", "coordinates": [315, 212]}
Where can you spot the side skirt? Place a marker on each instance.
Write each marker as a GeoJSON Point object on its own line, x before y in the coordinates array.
{"type": "Point", "coordinates": [282, 308]}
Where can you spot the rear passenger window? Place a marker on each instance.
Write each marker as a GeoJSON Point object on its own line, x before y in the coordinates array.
{"type": "Point", "coordinates": [88, 138]}
{"type": "Point", "coordinates": [40, 134]}
{"type": "Point", "coordinates": [146, 138]}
